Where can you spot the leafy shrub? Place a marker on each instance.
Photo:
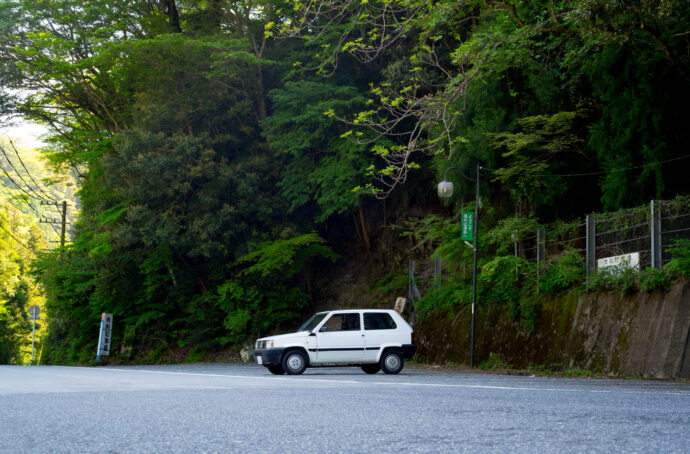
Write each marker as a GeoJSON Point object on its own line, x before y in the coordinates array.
{"type": "Point", "coordinates": [392, 282]}
{"type": "Point", "coordinates": [614, 278]}
{"type": "Point", "coordinates": [680, 263]}
{"type": "Point", "coordinates": [529, 312]}
{"type": "Point", "coordinates": [493, 363]}
{"type": "Point", "coordinates": [503, 277]}
{"type": "Point", "coordinates": [508, 230]}
{"type": "Point", "coordinates": [627, 281]}
{"type": "Point", "coordinates": [446, 295]}
{"type": "Point", "coordinates": [575, 373]}
{"type": "Point", "coordinates": [652, 279]}
{"type": "Point", "coordinates": [538, 369]}
{"type": "Point", "coordinates": [568, 270]}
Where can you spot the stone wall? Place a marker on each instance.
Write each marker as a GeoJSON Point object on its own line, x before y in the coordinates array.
{"type": "Point", "coordinates": [643, 335]}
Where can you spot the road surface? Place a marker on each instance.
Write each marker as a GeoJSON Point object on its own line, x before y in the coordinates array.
{"type": "Point", "coordinates": [228, 408]}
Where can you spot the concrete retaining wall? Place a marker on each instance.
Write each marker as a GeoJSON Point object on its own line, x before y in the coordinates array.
{"type": "Point", "coordinates": [644, 335]}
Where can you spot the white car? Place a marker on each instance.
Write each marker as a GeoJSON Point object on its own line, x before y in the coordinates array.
{"type": "Point", "coordinates": [374, 339]}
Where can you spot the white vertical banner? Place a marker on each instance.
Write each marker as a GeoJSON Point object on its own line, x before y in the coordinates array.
{"type": "Point", "coordinates": [105, 335]}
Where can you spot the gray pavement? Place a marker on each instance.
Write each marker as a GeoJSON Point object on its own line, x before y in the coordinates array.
{"type": "Point", "coordinates": [229, 408]}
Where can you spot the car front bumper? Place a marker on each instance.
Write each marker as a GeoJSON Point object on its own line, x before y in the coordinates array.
{"type": "Point", "coordinates": [268, 356]}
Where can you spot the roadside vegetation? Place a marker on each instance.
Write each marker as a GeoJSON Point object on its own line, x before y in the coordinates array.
{"type": "Point", "coordinates": [236, 161]}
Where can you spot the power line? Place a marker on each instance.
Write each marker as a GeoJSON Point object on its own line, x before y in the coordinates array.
{"type": "Point", "coordinates": [12, 235]}
{"type": "Point", "coordinates": [591, 173]}
{"type": "Point", "coordinates": [19, 175]}
{"type": "Point", "coordinates": [9, 198]}
{"type": "Point", "coordinates": [29, 173]}
{"type": "Point", "coordinates": [17, 185]}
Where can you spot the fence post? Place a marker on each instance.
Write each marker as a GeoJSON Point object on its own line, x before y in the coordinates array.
{"type": "Point", "coordinates": [541, 252]}
{"type": "Point", "coordinates": [437, 271]}
{"type": "Point", "coordinates": [655, 229]}
{"type": "Point", "coordinates": [513, 236]}
{"type": "Point", "coordinates": [590, 244]}
{"type": "Point", "coordinates": [413, 291]}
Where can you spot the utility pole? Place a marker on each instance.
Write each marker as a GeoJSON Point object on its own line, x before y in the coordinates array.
{"type": "Point", "coordinates": [62, 221]}
{"type": "Point", "coordinates": [474, 265]}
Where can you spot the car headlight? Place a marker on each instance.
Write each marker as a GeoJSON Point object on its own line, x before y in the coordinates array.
{"type": "Point", "coordinates": [264, 344]}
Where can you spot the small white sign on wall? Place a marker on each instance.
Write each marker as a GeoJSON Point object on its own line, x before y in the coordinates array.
{"type": "Point", "coordinates": [631, 260]}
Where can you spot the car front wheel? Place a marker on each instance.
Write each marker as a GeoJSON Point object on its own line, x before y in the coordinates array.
{"type": "Point", "coordinates": [294, 362]}
{"type": "Point", "coordinates": [391, 362]}
{"type": "Point", "coordinates": [276, 370]}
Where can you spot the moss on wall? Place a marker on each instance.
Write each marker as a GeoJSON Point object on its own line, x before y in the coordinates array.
{"type": "Point", "coordinates": [645, 334]}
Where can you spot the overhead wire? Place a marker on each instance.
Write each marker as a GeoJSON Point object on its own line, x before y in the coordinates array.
{"type": "Point", "coordinates": [10, 196]}
{"type": "Point", "coordinates": [29, 173]}
{"type": "Point", "coordinates": [9, 161]}
{"type": "Point", "coordinates": [12, 235]}
{"type": "Point", "coordinates": [18, 185]}
{"type": "Point", "coordinates": [606, 172]}
{"type": "Point", "coordinates": [51, 201]}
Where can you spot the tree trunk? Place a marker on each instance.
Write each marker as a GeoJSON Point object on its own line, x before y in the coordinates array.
{"type": "Point", "coordinates": [365, 236]}
{"type": "Point", "coordinates": [169, 8]}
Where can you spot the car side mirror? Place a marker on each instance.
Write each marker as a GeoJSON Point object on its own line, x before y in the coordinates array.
{"type": "Point", "coordinates": [312, 333]}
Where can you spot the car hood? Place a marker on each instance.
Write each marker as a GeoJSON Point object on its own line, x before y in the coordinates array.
{"type": "Point", "coordinates": [286, 337]}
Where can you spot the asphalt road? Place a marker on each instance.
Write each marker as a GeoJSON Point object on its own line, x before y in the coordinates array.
{"type": "Point", "coordinates": [230, 408]}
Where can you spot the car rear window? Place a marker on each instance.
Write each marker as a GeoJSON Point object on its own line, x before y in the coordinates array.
{"type": "Point", "coordinates": [378, 320]}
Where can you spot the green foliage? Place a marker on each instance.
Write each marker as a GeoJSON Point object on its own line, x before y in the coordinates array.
{"type": "Point", "coordinates": [509, 230]}
{"type": "Point", "coordinates": [261, 297]}
{"type": "Point", "coordinates": [392, 283]}
{"type": "Point", "coordinates": [321, 166]}
{"type": "Point", "coordinates": [502, 277]}
{"type": "Point", "coordinates": [493, 363]}
{"type": "Point", "coordinates": [680, 261]}
{"type": "Point", "coordinates": [578, 373]}
{"type": "Point", "coordinates": [20, 239]}
{"type": "Point", "coordinates": [204, 147]}
{"type": "Point", "coordinates": [543, 145]}
{"type": "Point", "coordinates": [621, 278]}
{"type": "Point", "coordinates": [285, 255]}
{"type": "Point", "coordinates": [445, 296]}
{"type": "Point", "coordinates": [652, 279]}
{"type": "Point", "coordinates": [567, 271]}
{"type": "Point", "coordinates": [537, 369]}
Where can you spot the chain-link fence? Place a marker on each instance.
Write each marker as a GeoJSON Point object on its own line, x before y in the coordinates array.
{"type": "Point", "coordinates": [675, 225]}
{"type": "Point", "coordinates": [640, 237]}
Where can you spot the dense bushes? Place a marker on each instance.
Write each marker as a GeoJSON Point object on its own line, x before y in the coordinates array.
{"type": "Point", "coordinates": [514, 283]}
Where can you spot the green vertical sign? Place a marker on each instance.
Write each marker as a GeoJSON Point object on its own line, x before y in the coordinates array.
{"type": "Point", "coordinates": [467, 225]}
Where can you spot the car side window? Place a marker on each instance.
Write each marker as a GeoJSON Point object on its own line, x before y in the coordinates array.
{"type": "Point", "coordinates": [378, 320]}
{"type": "Point", "coordinates": [342, 322]}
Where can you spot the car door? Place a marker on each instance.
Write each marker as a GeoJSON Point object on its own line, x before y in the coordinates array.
{"type": "Point", "coordinates": [340, 339]}
{"type": "Point", "coordinates": [379, 329]}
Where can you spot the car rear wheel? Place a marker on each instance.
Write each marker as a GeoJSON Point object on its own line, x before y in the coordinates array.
{"type": "Point", "coordinates": [276, 370]}
{"type": "Point", "coordinates": [294, 362]}
{"type": "Point", "coordinates": [371, 368]}
{"type": "Point", "coordinates": [391, 362]}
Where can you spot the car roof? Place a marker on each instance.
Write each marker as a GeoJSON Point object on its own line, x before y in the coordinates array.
{"type": "Point", "coordinates": [357, 310]}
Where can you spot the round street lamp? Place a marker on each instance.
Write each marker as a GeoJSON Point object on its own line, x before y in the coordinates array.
{"type": "Point", "coordinates": [445, 190]}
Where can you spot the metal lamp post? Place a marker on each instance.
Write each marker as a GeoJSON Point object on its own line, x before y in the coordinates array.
{"type": "Point", "coordinates": [445, 190]}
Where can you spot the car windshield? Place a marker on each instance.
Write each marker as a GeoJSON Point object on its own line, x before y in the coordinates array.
{"type": "Point", "coordinates": [312, 322]}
